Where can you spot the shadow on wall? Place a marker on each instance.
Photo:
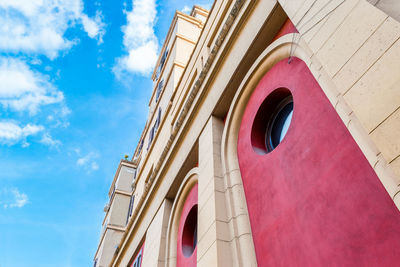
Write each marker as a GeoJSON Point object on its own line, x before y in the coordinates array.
{"type": "Point", "coordinates": [390, 7]}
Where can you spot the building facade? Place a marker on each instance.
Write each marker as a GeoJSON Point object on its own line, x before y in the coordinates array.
{"type": "Point", "coordinates": [272, 139]}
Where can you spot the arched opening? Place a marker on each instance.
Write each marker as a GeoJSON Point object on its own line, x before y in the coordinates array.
{"type": "Point", "coordinates": [182, 225]}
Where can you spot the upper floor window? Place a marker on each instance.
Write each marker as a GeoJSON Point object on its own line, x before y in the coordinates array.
{"type": "Point", "coordinates": [161, 65]}
{"type": "Point", "coordinates": [113, 192]}
{"type": "Point", "coordinates": [159, 89]}
{"type": "Point", "coordinates": [154, 128]}
{"type": "Point", "coordinates": [163, 58]}
{"type": "Point", "coordinates": [151, 136]}
{"type": "Point", "coordinates": [140, 147]}
{"type": "Point", "coordinates": [158, 120]}
{"type": "Point", "coordinates": [130, 210]}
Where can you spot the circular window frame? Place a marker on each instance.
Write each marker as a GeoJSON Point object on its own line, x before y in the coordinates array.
{"type": "Point", "coordinates": [272, 121]}
{"type": "Point", "coordinates": [265, 117]}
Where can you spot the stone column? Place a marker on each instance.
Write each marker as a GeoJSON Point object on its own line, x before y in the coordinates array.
{"type": "Point", "coordinates": [213, 230]}
{"type": "Point", "coordinates": [154, 248]}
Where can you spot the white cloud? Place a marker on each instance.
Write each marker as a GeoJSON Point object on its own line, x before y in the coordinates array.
{"type": "Point", "coordinates": [13, 198]}
{"type": "Point", "coordinates": [94, 166]}
{"type": "Point", "coordinates": [139, 39]}
{"type": "Point", "coordinates": [88, 162]}
{"type": "Point", "coordinates": [59, 117]}
{"type": "Point", "coordinates": [11, 133]}
{"type": "Point", "coordinates": [48, 140]}
{"type": "Point", "coordinates": [95, 28]}
{"type": "Point", "coordinates": [30, 29]}
{"type": "Point", "coordinates": [186, 9]}
{"type": "Point", "coordinates": [22, 89]}
{"type": "Point", "coordinates": [36, 61]}
{"type": "Point", "coordinates": [38, 26]}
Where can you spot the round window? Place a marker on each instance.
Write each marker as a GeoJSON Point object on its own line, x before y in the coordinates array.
{"type": "Point", "coordinates": [189, 234]}
{"type": "Point", "coordinates": [272, 121]}
{"type": "Point", "coordinates": [279, 123]}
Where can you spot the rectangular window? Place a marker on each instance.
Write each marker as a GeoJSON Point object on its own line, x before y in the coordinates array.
{"type": "Point", "coordinates": [158, 120]}
{"type": "Point", "coordinates": [151, 136]}
{"type": "Point", "coordinates": [140, 147]}
{"type": "Point", "coordinates": [159, 89]}
{"type": "Point", "coordinates": [161, 65]}
{"type": "Point", "coordinates": [130, 208]}
{"type": "Point", "coordinates": [112, 194]}
{"type": "Point", "coordinates": [163, 58]}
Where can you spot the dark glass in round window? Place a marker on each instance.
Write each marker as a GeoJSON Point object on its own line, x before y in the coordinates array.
{"type": "Point", "coordinates": [279, 123]}
{"type": "Point", "coordinates": [189, 234]}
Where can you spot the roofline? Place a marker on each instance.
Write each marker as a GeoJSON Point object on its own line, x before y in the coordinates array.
{"type": "Point", "coordinates": [202, 9]}
{"type": "Point", "coordinates": [178, 14]}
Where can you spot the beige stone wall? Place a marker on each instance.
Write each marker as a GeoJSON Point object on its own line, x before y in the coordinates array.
{"type": "Point", "coordinates": [360, 54]}
{"type": "Point", "coordinates": [119, 212]}
{"type": "Point", "coordinates": [106, 252]}
{"type": "Point", "coordinates": [125, 179]}
{"type": "Point", "coordinates": [154, 250]}
{"type": "Point", "coordinates": [191, 31]}
{"type": "Point", "coordinates": [213, 229]}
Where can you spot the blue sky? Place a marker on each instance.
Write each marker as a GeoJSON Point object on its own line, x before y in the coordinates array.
{"type": "Point", "coordinates": [74, 88]}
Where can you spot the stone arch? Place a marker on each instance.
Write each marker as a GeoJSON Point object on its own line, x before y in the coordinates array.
{"type": "Point", "coordinates": [188, 183]}
{"type": "Point", "coordinates": [241, 231]}
{"type": "Point", "coordinates": [276, 52]}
